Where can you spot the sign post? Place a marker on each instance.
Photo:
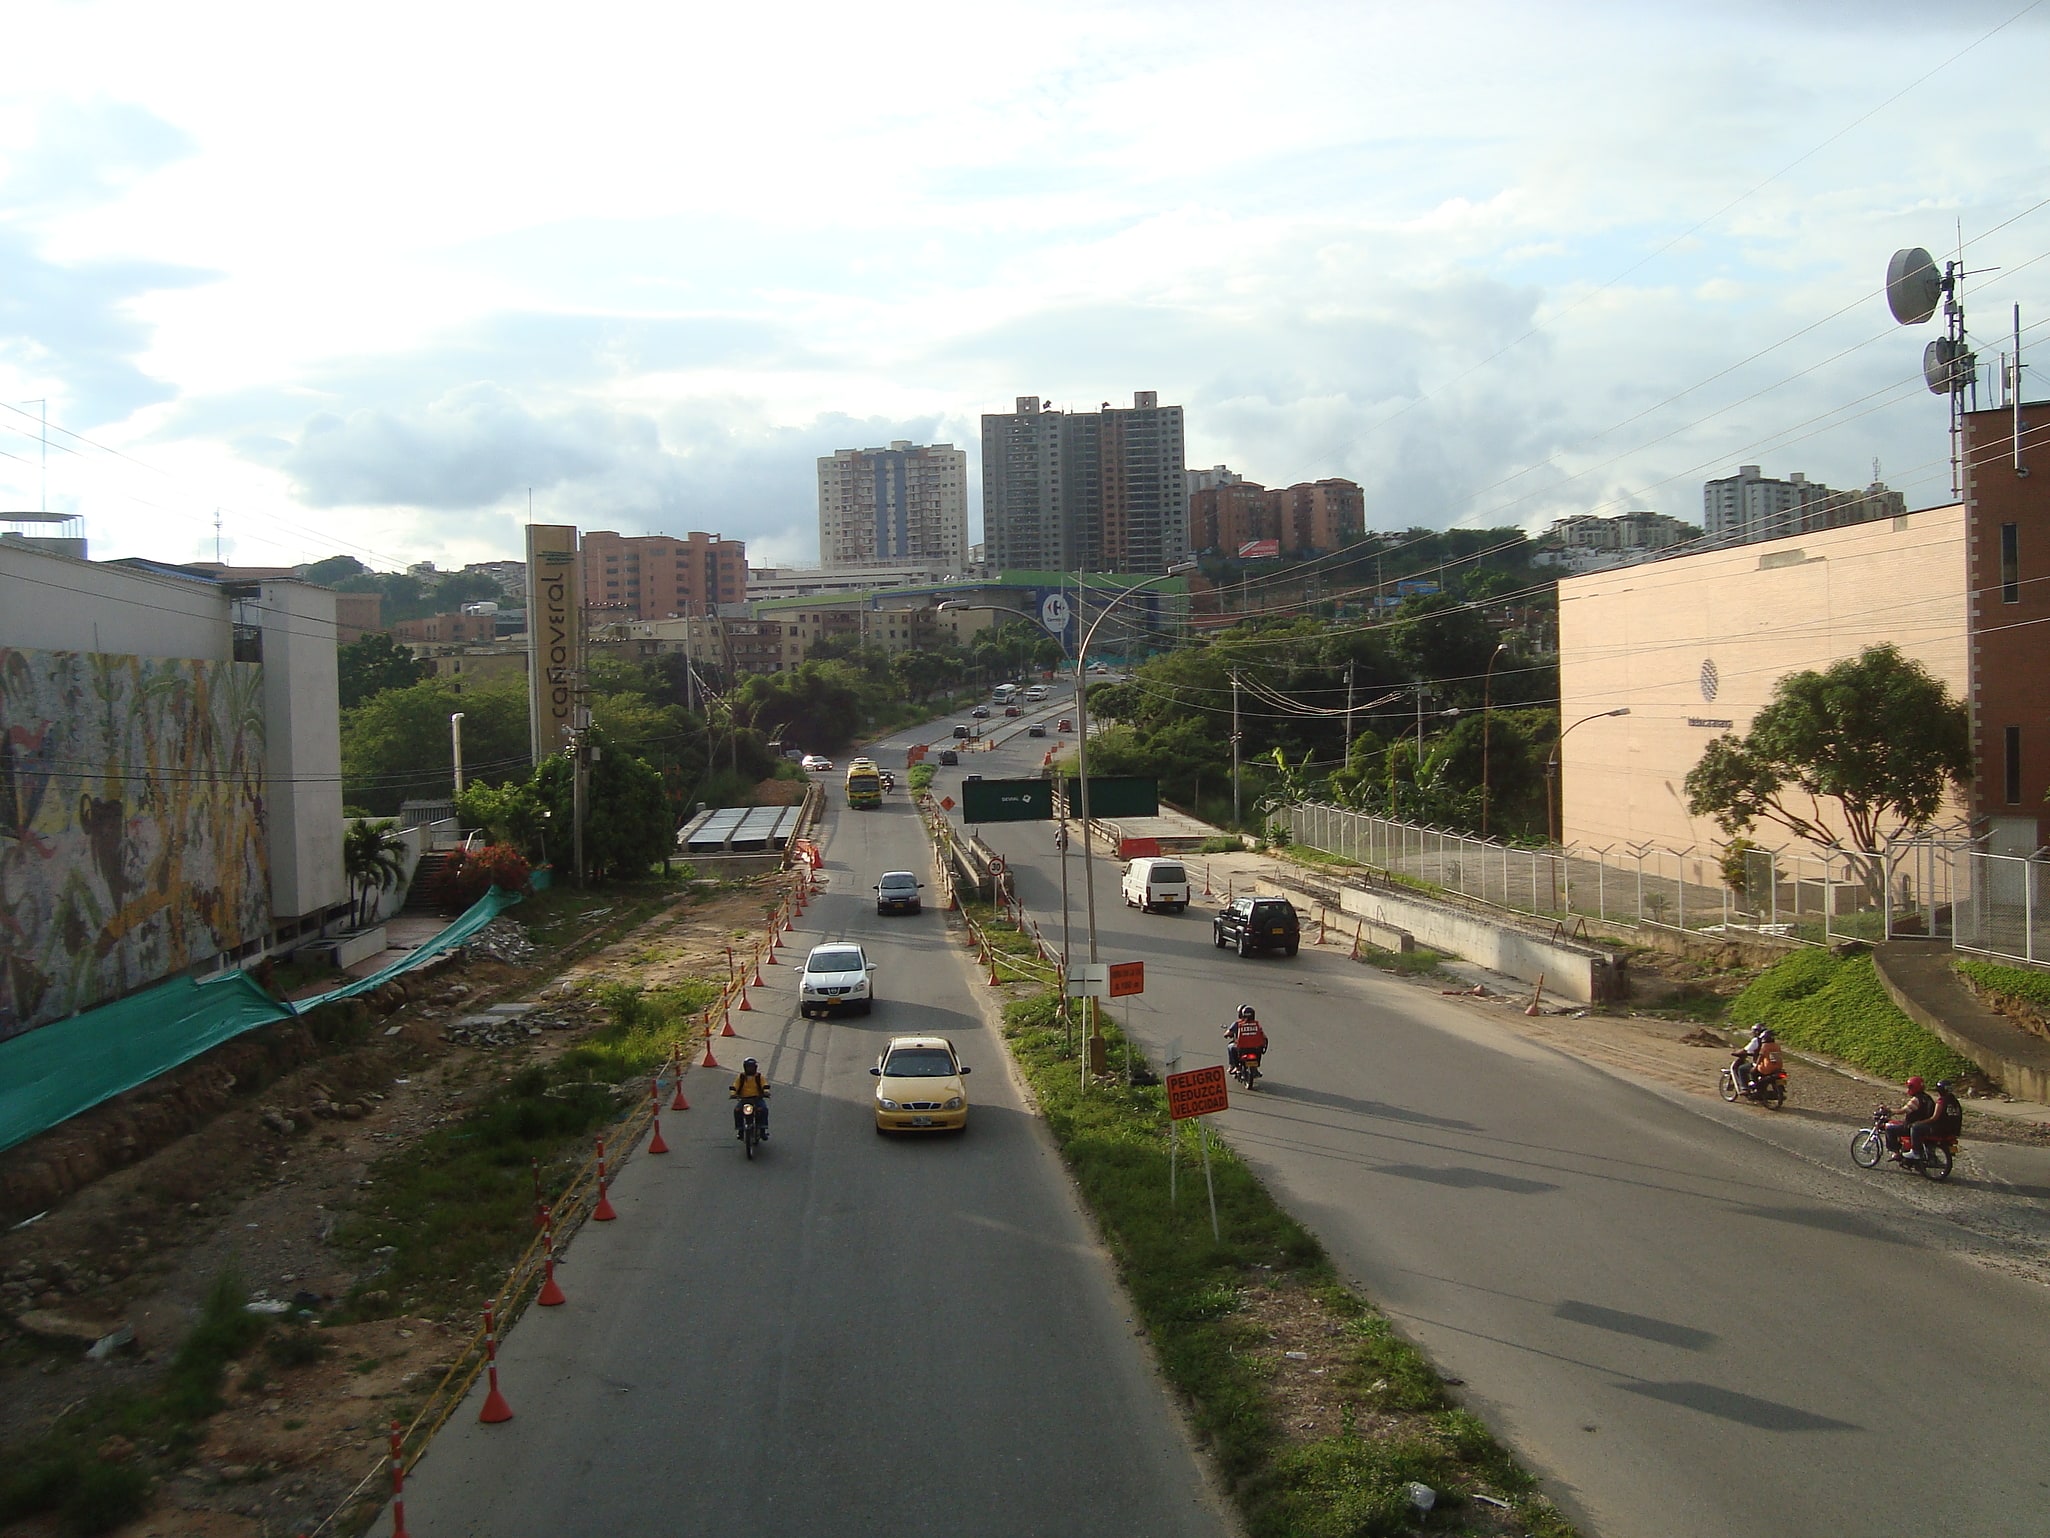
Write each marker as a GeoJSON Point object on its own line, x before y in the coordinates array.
{"type": "Point", "coordinates": [1200, 1092]}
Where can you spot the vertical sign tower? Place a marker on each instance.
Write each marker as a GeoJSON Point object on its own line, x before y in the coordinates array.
{"type": "Point", "coordinates": [555, 634]}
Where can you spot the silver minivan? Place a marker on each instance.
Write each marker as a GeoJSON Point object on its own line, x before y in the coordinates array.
{"type": "Point", "coordinates": [1154, 883]}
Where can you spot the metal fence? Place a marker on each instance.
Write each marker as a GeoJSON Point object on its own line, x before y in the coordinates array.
{"type": "Point", "coordinates": [2005, 906]}
{"type": "Point", "coordinates": [1818, 897]}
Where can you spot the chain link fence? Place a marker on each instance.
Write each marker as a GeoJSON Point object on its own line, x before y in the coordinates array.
{"type": "Point", "coordinates": [1815, 897]}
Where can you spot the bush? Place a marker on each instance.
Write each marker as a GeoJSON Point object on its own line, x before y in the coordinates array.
{"type": "Point", "coordinates": [1221, 844]}
{"type": "Point", "coordinates": [105, 1496]}
{"type": "Point", "coordinates": [920, 776]}
{"type": "Point", "coordinates": [2023, 989]}
{"type": "Point", "coordinates": [472, 873]}
{"type": "Point", "coordinates": [1820, 1002]}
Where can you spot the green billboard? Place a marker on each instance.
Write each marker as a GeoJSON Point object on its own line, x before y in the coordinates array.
{"type": "Point", "coordinates": [1115, 795]}
{"type": "Point", "coordinates": [1007, 800]}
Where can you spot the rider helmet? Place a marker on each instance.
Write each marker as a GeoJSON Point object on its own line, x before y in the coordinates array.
{"type": "Point", "coordinates": [750, 1066]}
{"type": "Point", "coordinates": [1915, 1085]}
{"type": "Point", "coordinates": [1765, 1035]}
{"type": "Point", "coordinates": [1246, 1012]}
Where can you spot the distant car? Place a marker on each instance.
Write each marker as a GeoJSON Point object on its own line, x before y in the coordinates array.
{"type": "Point", "coordinates": [795, 755]}
{"type": "Point", "coordinates": [815, 762]}
{"type": "Point", "coordinates": [967, 777]}
{"type": "Point", "coordinates": [897, 892]}
{"type": "Point", "coordinates": [1013, 710]}
{"type": "Point", "coordinates": [962, 733]}
{"type": "Point", "coordinates": [949, 756]}
{"type": "Point", "coordinates": [1037, 729]}
{"type": "Point", "coordinates": [1258, 924]}
{"type": "Point", "coordinates": [919, 1088]}
{"type": "Point", "coordinates": [1065, 725]}
{"type": "Point", "coordinates": [980, 712]}
{"type": "Point", "coordinates": [836, 977]}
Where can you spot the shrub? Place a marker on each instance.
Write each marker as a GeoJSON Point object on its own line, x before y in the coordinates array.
{"type": "Point", "coordinates": [2021, 988]}
{"type": "Point", "coordinates": [472, 873]}
{"type": "Point", "coordinates": [1819, 1002]}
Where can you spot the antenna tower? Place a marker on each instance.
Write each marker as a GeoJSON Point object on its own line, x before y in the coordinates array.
{"type": "Point", "coordinates": [1949, 367]}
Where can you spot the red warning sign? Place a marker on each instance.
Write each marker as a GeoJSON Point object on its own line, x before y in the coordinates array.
{"type": "Point", "coordinates": [1199, 1092]}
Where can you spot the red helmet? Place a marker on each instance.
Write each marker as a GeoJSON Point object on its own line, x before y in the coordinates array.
{"type": "Point", "coordinates": [1915, 1085]}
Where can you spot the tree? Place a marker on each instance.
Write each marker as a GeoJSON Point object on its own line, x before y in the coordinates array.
{"type": "Point", "coordinates": [396, 744]}
{"type": "Point", "coordinates": [373, 860]}
{"type": "Point", "coordinates": [332, 570]}
{"type": "Point", "coordinates": [627, 823]}
{"type": "Point", "coordinates": [511, 814]}
{"type": "Point", "coordinates": [372, 664]}
{"type": "Point", "coordinates": [1876, 734]}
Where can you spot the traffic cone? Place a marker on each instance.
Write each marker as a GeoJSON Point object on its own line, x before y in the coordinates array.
{"type": "Point", "coordinates": [1320, 926]}
{"type": "Point", "coordinates": [495, 1408]}
{"type": "Point", "coordinates": [758, 971]}
{"type": "Point", "coordinates": [603, 1213]}
{"type": "Point", "coordinates": [710, 1061]}
{"type": "Point", "coordinates": [745, 1007]}
{"type": "Point", "coordinates": [655, 1143]}
{"type": "Point", "coordinates": [727, 1028]}
{"type": "Point", "coordinates": [550, 1295]}
{"type": "Point", "coordinates": [1358, 935]}
{"type": "Point", "coordinates": [1206, 880]}
{"type": "Point", "coordinates": [398, 1484]}
{"type": "Point", "coordinates": [679, 1103]}
{"type": "Point", "coordinates": [993, 978]}
{"type": "Point", "coordinates": [1537, 996]}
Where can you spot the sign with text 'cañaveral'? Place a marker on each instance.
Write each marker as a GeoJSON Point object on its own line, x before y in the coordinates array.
{"type": "Point", "coordinates": [555, 616]}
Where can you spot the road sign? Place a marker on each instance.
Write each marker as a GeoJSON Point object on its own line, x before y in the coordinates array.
{"type": "Point", "coordinates": [1007, 800]}
{"type": "Point", "coordinates": [1088, 980]}
{"type": "Point", "coordinates": [1127, 978]}
{"type": "Point", "coordinates": [1054, 613]}
{"type": "Point", "coordinates": [1115, 795]}
{"type": "Point", "coordinates": [1199, 1092]}
{"type": "Point", "coordinates": [946, 803]}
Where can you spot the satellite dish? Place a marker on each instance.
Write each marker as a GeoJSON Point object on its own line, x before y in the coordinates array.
{"type": "Point", "coordinates": [1913, 286]}
{"type": "Point", "coordinates": [1948, 366]}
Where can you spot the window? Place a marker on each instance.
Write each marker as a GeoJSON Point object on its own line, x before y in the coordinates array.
{"type": "Point", "coordinates": [2014, 766]}
{"type": "Point", "coordinates": [2010, 564]}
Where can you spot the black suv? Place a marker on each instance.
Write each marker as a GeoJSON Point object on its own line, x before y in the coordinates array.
{"type": "Point", "coordinates": [1257, 924]}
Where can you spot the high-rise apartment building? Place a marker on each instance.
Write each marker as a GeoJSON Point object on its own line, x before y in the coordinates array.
{"type": "Point", "coordinates": [1747, 506]}
{"type": "Point", "coordinates": [907, 503]}
{"type": "Point", "coordinates": [1311, 516]}
{"type": "Point", "coordinates": [657, 576]}
{"type": "Point", "coordinates": [1084, 490]}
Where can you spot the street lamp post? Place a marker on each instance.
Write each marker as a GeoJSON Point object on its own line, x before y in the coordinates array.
{"type": "Point", "coordinates": [1553, 788]}
{"type": "Point", "coordinates": [455, 733]}
{"type": "Point", "coordinates": [1487, 707]}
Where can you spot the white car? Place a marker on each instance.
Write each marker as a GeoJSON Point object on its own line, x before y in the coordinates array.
{"type": "Point", "coordinates": [816, 762]}
{"type": "Point", "coordinates": [836, 977]}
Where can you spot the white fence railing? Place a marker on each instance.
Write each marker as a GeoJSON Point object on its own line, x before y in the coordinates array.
{"type": "Point", "coordinates": [1818, 897]}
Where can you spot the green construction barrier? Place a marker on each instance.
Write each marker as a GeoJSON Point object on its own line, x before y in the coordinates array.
{"type": "Point", "coordinates": [52, 1073]}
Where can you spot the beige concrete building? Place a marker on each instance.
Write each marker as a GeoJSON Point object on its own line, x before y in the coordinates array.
{"type": "Point", "coordinates": [905, 503]}
{"type": "Point", "coordinates": [1693, 646]}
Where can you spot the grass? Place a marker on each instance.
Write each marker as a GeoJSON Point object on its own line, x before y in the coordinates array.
{"type": "Point", "coordinates": [1420, 962]}
{"type": "Point", "coordinates": [455, 1207]}
{"type": "Point", "coordinates": [1201, 1301]}
{"type": "Point", "coordinates": [920, 776]}
{"type": "Point", "coordinates": [63, 1471]}
{"type": "Point", "coordinates": [1819, 1001]}
{"type": "Point", "coordinates": [2024, 990]}
{"type": "Point", "coordinates": [1689, 1003]}
{"type": "Point", "coordinates": [1221, 844]}
{"type": "Point", "coordinates": [1316, 859]}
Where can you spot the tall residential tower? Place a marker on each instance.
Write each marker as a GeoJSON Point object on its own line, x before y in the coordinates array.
{"type": "Point", "coordinates": [1085, 490]}
{"type": "Point", "coordinates": [903, 505]}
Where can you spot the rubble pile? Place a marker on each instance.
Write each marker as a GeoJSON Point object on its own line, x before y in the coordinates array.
{"type": "Point", "coordinates": [502, 940]}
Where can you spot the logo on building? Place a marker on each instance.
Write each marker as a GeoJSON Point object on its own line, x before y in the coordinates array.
{"type": "Point", "coordinates": [1711, 678]}
{"type": "Point", "coordinates": [1053, 613]}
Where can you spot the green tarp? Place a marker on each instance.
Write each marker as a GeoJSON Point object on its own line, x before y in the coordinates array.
{"type": "Point", "coordinates": [50, 1074]}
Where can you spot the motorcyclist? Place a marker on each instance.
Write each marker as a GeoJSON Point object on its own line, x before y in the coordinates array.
{"type": "Point", "coordinates": [1248, 1037]}
{"type": "Point", "coordinates": [1766, 1063]}
{"type": "Point", "coordinates": [749, 1086]}
{"type": "Point", "coordinates": [1746, 1065]}
{"type": "Point", "coordinates": [1060, 838]}
{"type": "Point", "coordinates": [1945, 1121]}
{"type": "Point", "coordinates": [1918, 1108]}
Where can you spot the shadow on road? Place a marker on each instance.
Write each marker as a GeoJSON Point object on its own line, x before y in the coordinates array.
{"type": "Point", "coordinates": [1379, 1109]}
{"type": "Point", "coordinates": [1745, 1409]}
{"type": "Point", "coordinates": [1466, 1178]}
{"type": "Point", "coordinates": [1644, 1327]}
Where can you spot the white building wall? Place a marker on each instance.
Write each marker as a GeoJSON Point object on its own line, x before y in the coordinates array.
{"type": "Point", "coordinates": [302, 745]}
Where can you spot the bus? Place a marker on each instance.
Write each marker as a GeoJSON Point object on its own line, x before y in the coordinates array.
{"type": "Point", "coordinates": [864, 784]}
{"type": "Point", "coordinates": [1005, 694]}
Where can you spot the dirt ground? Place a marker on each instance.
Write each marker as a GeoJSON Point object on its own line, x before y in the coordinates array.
{"type": "Point", "coordinates": [141, 1245]}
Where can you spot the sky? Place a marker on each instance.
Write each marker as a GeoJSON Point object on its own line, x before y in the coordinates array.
{"type": "Point", "coordinates": [378, 280]}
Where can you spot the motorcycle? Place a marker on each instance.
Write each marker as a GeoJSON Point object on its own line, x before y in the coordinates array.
{"type": "Point", "coordinates": [1766, 1089]}
{"type": "Point", "coordinates": [1060, 840]}
{"type": "Point", "coordinates": [1247, 1069]}
{"type": "Point", "coordinates": [1868, 1147]}
{"type": "Point", "coordinates": [750, 1126]}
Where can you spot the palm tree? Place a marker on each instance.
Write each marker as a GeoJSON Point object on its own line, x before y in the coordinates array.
{"type": "Point", "coordinates": [373, 858]}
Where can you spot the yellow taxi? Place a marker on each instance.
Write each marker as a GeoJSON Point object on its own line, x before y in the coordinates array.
{"type": "Point", "coordinates": [919, 1088]}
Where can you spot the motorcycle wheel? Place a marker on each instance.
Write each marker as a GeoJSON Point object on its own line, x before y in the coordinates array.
{"type": "Point", "coordinates": [1935, 1163]}
{"type": "Point", "coordinates": [1867, 1149]}
{"type": "Point", "coordinates": [1728, 1085]}
{"type": "Point", "coordinates": [1774, 1094]}
{"type": "Point", "coordinates": [753, 1137]}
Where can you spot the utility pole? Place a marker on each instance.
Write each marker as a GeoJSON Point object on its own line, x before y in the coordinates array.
{"type": "Point", "coordinates": [1236, 814]}
{"type": "Point", "coordinates": [577, 790]}
{"type": "Point", "coordinates": [1346, 756]}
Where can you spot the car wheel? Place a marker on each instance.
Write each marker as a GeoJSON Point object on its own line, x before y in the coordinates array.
{"type": "Point", "coordinates": [1245, 946]}
{"type": "Point", "coordinates": [1292, 947]}
{"type": "Point", "coordinates": [1217, 937]}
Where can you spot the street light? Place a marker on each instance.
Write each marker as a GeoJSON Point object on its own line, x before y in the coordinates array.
{"type": "Point", "coordinates": [1552, 785]}
{"type": "Point", "coordinates": [1487, 705]}
{"type": "Point", "coordinates": [455, 732]}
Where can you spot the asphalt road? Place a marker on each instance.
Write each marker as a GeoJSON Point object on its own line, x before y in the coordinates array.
{"type": "Point", "coordinates": [851, 1335]}
{"type": "Point", "coordinates": [1695, 1322]}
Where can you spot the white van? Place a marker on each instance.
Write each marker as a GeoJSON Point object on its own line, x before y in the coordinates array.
{"type": "Point", "coordinates": [1153, 882]}
{"type": "Point", "coordinates": [1035, 694]}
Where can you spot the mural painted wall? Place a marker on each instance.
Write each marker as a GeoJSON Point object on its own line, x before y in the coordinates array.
{"type": "Point", "coordinates": [132, 837]}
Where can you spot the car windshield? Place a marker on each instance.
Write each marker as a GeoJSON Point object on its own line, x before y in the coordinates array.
{"type": "Point", "coordinates": [834, 961]}
{"type": "Point", "coordinates": [919, 1063]}
{"type": "Point", "coordinates": [900, 883]}
{"type": "Point", "coordinates": [1273, 911]}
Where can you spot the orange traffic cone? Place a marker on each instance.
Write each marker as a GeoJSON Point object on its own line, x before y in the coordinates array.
{"type": "Point", "coordinates": [710, 1061]}
{"type": "Point", "coordinates": [655, 1143]}
{"type": "Point", "coordinates": [603, 1213]}
{"type": "Point", "coordinates": [745, 1007]}
{"type": "Point", "coordinates": [727, 1028]}
{"type": "Point", "coordinates": [1537, 997]}
{"type": "Point", "coordinates": [495, 1408]}
{"type": "Point", "coordinates": [679, 1103]}
{"type": "Point", "coordinates": [551, 1295]}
